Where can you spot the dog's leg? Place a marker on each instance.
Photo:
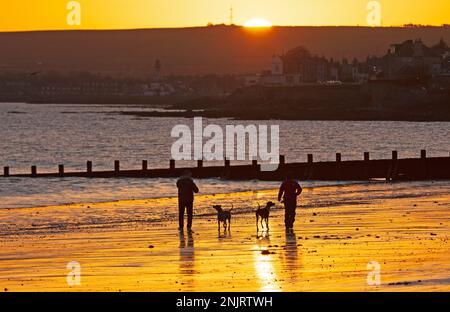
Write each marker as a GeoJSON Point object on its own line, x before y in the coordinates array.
{"type": "Point", "coordinates": [257, 225]}
{"type": "Point", "coordinates": [218, 225]}
{"type": "Point", "coordinates": [229, 224]}
{"type": "Point", "coordinates": [267, 224]}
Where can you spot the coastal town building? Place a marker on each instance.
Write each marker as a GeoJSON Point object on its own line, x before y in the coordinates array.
{"type": "Point", "coordinates": [413, 58]}
{"type": "Point", "coordinates": [408, 60]}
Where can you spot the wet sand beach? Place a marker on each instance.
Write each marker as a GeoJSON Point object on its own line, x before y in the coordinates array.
{"type": "Point", "coordinates": [123, 246]}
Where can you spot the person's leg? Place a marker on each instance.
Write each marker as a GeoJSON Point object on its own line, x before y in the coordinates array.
{"type": "Point", "coordinates": [190, 208]}
{"type": "Point", "coordinates": [293, 208]}
{"type": "Point", "coordinates": [290, 211]}
{"type": "Point", "coordinates": [181, 207]}
{"type": "Point", "coordinates": [287, 213]}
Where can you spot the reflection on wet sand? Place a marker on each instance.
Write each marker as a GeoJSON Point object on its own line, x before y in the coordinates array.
{"type": "Point", "coordinates": [187, 260]}
{"type": "Point", "coordinates": [264, 264]}
{"type": "Point", "coordinates": [407, 236]}
{"type": "Point", "coordinates": [290, 258]}
{"type": "Point", "coordinates": [225, 234]}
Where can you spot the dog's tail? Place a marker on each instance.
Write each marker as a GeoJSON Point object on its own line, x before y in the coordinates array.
{"type": "Point", "coordinates": [231, 207]}
{"type": "Point", "coordinates": [259, 206]}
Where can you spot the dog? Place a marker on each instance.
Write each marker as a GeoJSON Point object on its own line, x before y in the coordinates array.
{"type": "Point", "coordinates": [264, 214]}
{"type": "Point", "coordinates": [224, 217]}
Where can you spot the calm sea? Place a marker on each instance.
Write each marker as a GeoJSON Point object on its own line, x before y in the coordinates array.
{"type": "Point", "coordinates": [48, 135]}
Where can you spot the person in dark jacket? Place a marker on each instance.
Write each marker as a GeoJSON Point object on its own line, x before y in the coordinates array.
{"type": "Point", "coordinates": [289, 190]}
{"type": "Point", "coordinates": [186, 189]}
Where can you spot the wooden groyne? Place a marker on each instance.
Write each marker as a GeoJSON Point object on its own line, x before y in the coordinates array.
{"type": "Point", "coordinates": [421, 168]}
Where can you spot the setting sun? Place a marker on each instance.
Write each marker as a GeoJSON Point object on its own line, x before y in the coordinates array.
{"type": "Point", "coordinates": [258, 22]}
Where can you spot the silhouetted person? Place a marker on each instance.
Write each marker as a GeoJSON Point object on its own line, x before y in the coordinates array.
{"type": "Point", "coordinates": [289, 190]}
{"type": "Point", "coordinates": [186, 189]}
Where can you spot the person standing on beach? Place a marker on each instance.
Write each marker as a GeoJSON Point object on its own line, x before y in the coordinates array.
{"type": "Point", "coordinates": [186, 189]}
{"type": "Point", "coordinates": [289, 190]}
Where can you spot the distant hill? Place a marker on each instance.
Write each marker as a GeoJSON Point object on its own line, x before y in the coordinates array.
{"type": "Point", "coordinates": [202, 50]}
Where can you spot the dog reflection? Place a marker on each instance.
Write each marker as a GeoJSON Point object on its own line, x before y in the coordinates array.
{"type": "Point", "coordinates": [225, 234]}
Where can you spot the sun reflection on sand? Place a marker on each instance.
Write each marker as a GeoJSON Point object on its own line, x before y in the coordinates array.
{"type": "Point", "coordinates": [264, 267]}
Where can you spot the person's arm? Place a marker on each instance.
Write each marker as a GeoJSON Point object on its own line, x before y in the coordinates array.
{"type": "Point", "coordinates": [194, 187]}
{"type": "Point", "coordinates": [281, 191]}
{"type": "Point", "coordinates": [298, 190]}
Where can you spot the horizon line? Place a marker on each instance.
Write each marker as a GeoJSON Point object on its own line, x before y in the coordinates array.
{"type": "Point", "coordinates": [227, 25]}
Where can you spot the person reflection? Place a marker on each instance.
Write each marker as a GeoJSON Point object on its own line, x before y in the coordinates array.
{"type": "Point", "coordinates": [291, 261]}
{"type": "Point", "coordinates": [187, 260]}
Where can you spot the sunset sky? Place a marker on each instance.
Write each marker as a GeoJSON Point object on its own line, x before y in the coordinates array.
{"type": "Point", "coordinates": [16, 15]}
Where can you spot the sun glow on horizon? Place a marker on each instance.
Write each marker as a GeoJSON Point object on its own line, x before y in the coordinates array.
{"type": "Point", "coordinates": [257, 22]}
{"type": "Point", "coordinates": [28, 15]}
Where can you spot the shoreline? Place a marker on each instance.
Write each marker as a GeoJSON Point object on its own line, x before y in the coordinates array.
{"type": "Point", "coordinates": [144, 198]}
{"type": "Point", "coordinates": [267, 115]}
{"type": "Point", "coordinates": [180, 110]}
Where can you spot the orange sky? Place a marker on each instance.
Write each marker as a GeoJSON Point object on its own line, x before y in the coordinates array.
{"type": "Point", "coordinates": [117, 14]}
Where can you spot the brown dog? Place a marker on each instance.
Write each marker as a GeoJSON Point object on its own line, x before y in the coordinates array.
{"type": "Point", "coordinates": [223, 216]}
{"type": "Point", "coordinates": [264, 214]}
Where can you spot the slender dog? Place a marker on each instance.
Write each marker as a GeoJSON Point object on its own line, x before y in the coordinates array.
{"type": "Point", "coordinates": [224, 217]}
{"type": "Point", "coordinates": [264, 214]}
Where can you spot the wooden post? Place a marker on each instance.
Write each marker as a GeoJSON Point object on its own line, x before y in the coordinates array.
{"type": "Point", "coordinates": [172, 164]}
{"type": "Point", "coordinates": [337, 171]}
{"type": "Point", "coordinates": [33, 171]}
{"type": "Point", "coordinates": [61, 170]}
{"type": "Point", "coordinates": [394, 155]}
{"type": "Point", "coordinates": [392, 172]}
{"type": "Point", "coordinates": [366, 173]}
{"type": "Point", "coordinates": [116, 166]}
{"type": "Point", "coordinates": [309, 168]}
{"type": "Point", "coordinates": [144, 165]}
{"type": "Point", "coordinates": [282, 160]}
{"type": "Point", "coordinates": [200, 163]}
{"type": "Point", "coordinates": [255, 168]}
{"type": "Point", "coordinates": [423, 158]}
{"type": "Point", "coordinates": [227, 171]}
{"type": "Point", "coordinates": [89, 167]}
{"type": "Point", "coordinates": [423, 154]}
{"type": "Point", "coordinates": [6, 171]}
